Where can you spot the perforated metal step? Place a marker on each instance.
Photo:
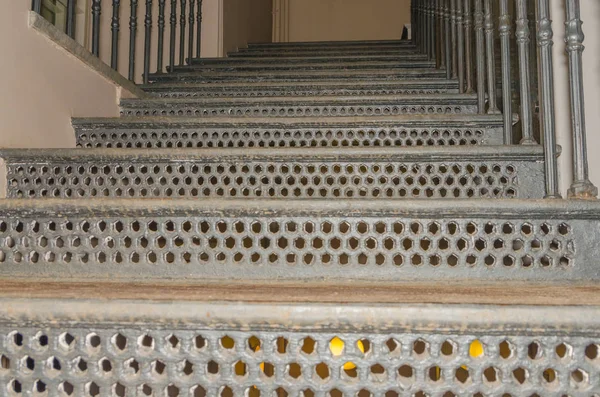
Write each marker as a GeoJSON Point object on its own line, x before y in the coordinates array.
{"type": "Point", "coordinates": [370, 58]}
{"type": "Point", "coordinates": [365, 50]}
{"type": "Point", "coordinates": [320, 66]}
{"type": "Point", "coordinates": [453, 172]}
{"type": "Point", "coordinates": [388, 131]}
{"type": "Point", "coordinates": [89, 348]}
{"type": "Point", "coordinates": [380, 105]}
{"type": "Point", "coordinates": [330, 44]}
{"type": "Point", "coordinates": [433, 241]}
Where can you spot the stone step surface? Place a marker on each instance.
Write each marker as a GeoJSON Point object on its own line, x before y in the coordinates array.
{"type": "Point", "coordinates": [309, 132]}
{"type": "Point", "coordinates": [397, 240]}
{"type": "Point", "coordinates": [303, 106]}
{"type": "Point", "coordinates": [376, 173]}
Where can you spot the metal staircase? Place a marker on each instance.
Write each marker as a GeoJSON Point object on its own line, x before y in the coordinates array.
{"type": "Point", "coordinates": [307, 219]}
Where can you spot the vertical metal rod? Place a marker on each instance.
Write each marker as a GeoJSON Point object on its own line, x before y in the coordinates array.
{"type": "Point", "coordinates": [454, 39]}
{"type": "Point", "coordinates": [431, 30]}
{"type": "Point", "coordinates": [71, 18]}
{"type": "Point", "coordinates": [504, 27]}
{"type": "Point", "coordinates": [182, 33]}
{"type": "Point", "coordinates": [480, 56]}
{"type": "Point", "coordinates": [447, 39]}
{"type": "Point", "coordinates": [199, 30]}
{"type": "Point", "coordinates": [439, 34]}
{"type": "Point", "coordinates": [468, 26]}
{"type": "Point", "coordinates": [546, 89]}
{"type": "Point", "coordinates": [491, 61]}
{"type": "Point", "coordinates": [523, 38]}
{"type": "Point", "coordinates": [147, 40]}
{"type": "Point", "coordinates": [161, 36]}
{"type": "Point", "coordinates": [96, 11]}
{"type": "Point", "coordinates": [115, 27]}
{"type": "Point", "coordinates": [173, 34]}
{"type": "Point", "coordinates": [460, 37]}
{"type": "Point", "coordinates": [582, 187]}
{"type": "Point", "coordinates": [132, 36]}
{"type": "Point", "coordinates": [192, 34]}
{"type": "Point", "coordinates": [36, 6]}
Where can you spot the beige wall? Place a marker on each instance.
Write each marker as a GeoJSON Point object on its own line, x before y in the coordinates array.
{"type": "Point", "coordinates": [43, 86]}
{"type": "Point", "coordinates": [323, 20]}
{"type": "Point", "coordinates": [246, 21]}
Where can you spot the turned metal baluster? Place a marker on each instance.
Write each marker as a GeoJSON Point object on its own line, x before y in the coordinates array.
{"type": "Point", "coordinates": [440, 47]}
{"type": "Point", "coordinates": [96, 11]}
{"type": "Point", "coordinates": [173, 34]}
{"type": "Point", "coordinates": [182, 33]}
{"type": "Point", "coordinates": [431, 30]}
{"type": "Point", "coordinates": [447, 39]}
{"type": "Point", "coordinates": [71, 18]}
{"type": "Point", "coordinates": [523, 38]}
{"type": "Point", "coordinates": [199, 30]}
{"type": "Point", "coordinates": [491, 61]}
{"type": "Point", "coordinates": [454, 39]}
{"type": "Point", "coordinates": [147, 40]}
{"type": "Point", "coordinates": [161, 36]}
{"type": "Point", "coordinates": [504, 27]}
{"type": "Point", "coordinates": [132, 36]}
{"type": "Point", "coordinates": [424, 27]}
{"type": "Point", "coordinates": [480, 56]}
{"type": "Point", "coordinates": [115, 25]}
{"type": "Point", "coordinates": [582, 187]}
{"type": "Point", "coordinates": [468, 26]}
{"type": "Point", "coordinates": [460, 37]}
{"type": "Point", "coordinates": [546, 89]}
{"type": "Point", "coordinates": [192, 19]}
{"type": "Point", "coordinates": [36, 6]}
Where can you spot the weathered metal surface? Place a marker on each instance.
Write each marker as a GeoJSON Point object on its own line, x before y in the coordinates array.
{"type": "Point", "coordinates": [504, 29]}
{"type": "Point", "coordinates": [132, 37]}
{"type": "Point", "coordinates": [379, 173]}
{"type": "Point", "coordinates": [88, 348]}
{"type": "Point", "coordinates": [374, 58]}
{"type": "Point", "coordinates": [147, 40]}
{"type": "Point", "coordinates": [523, 36]}
{"type": "Point", "coordinates": [282, 132]}
{"type": "Point", "coordinates": [396, 240]}
{"type": "Point", "coordinates": [115, 27]}
{"type": "Point", "coordinates": [301, 107]}
{"type": "Point", "coordinates": [182, 35]}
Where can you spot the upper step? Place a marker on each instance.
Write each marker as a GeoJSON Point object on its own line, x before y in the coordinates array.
{"type": "Point", "coordinates": [371, 58]}
{"type": "Point", "coordinates": [302, 106]}
{"type": "Point", "coordinates": [309, 132]}
{"type": "Point", "coordinates": [288, 53]}
{"type": "Point", "coordinates": [330, 44]}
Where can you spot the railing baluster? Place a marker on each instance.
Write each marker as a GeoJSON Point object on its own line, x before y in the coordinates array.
{"type": "Point", "coordinates": [132, 36]}
{"type": "Point", "coordinates": [115, 26]}
{"type": "Point", "coordinates": [582, 187]}
{"type": "Point", "coordinates": [199, 30]}
{"type": "Point", "coordinates": [523, 38]}
{"type": "Point", "coordinates": [182, 33]}
{"type": "Point", "coordinates": [71, 18]}
{"type": "Point", "coordinates": [491, 61]}
{"type": "Point", "coordinates": [468, 26]}
{"type": "Point", "coordinates": [192, 19]}
{"type": "Point", "coordinates": [36, 6]}
{"type": "Point", "coordinates": [161, 36]}
{"type": "Point", "coordinates": [447, 39]}
{"type": "Point", "coordinates": [440, 47]}
{"type": "Point", "coordinates": [546, 89]}
{"type": "Point", "coordinates": [147, 40]}
{"type": "Point", "coordinates": [454, 39]}
{"type": "Point", "coordinates": [480, 56]}
{"type": "Point", "coordinates": [96, 11]}
{"type": "Point", "coordinates": [504, 27]}
{"type": "Point", "coordinates": [173, 34]}
{"type": "Point", "coordinates": [431, 30]}
{"type": "Point", "coordinates": [460, 37]}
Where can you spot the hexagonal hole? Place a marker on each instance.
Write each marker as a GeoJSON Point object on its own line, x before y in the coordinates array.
{"type": "Point", "coordinates": [227, 342]}
{"type": "Point", "coordinates": [476, 349]}
{"type": "Point", "coordinates": [520, 375]}
{"type": "Point", "coordinates": [564, 351]}
{"type": "Point", "coordinates": [462, 374]}
{"type": "Point", "coordinates": [294, 370]}
{"type": "Point", "coordinates": [322, 371]}
{"type": "Point", "coordinates": [420, 347]}
{"type": "Point", "coordinates": [308, 345]}
{"type": "Point", "coordinates": [240, 368]}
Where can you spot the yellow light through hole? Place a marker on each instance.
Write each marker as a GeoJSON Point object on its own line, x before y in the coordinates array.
{"type": "Point", "coordinates": [336, 346]}
{"type": "Point", "coordinates": [476, 349]}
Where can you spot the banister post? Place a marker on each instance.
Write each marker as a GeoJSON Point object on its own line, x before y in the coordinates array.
{"type": "Point", "coordinates": [523, 38]}
{"type": "Point", "coordinates": [504, 27]}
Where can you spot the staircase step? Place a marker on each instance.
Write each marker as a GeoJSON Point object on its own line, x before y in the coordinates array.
{"type": "Point", "coordinates": [191, 90]}
{"type": "Point", "coordinates": [187, 348]}
{"type": "Point", "coordinates": [324, 53]}
{"type": "Point", "coordinates": [378, 173]}
{"type": "Point", "coordinates": [309, 132]}
{"type": "Point", "coordinates": [363, 49]}
{"type": "Point", "coordinates": [435, 241]}
{"type": "Point", "coordinates": [344, 59]}
{"type": "Point", "coordinates": [301, 76]}
{"type": "Point", "coordinates": [329, 44]}
{"type": "Point", "coordinates": [302, 106]}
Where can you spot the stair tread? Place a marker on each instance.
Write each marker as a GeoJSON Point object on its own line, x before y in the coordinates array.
{"type": "Point", "coordinates": [324, 83]}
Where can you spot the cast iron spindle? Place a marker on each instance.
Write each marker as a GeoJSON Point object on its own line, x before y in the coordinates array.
{"type": "Point", "coordinates": [504, 29]}
{"type": "Point", "coordinates": [523, 38]}
{"type": "Point", "coordinates": [173, 34]}
{"type": "Point", "coordinates": [447, 41]}
{"type": "Point", "coordinates": [581, 187]}
{"type": "Point", "coordinates": [468, 26]}
{"type": "Point", "coordinates": [36, 6]}
{"type": "Point", "coordinates": [491, 61]}
{"type": "Point", "coordinates": [199, 30]}
{"type": "Point", "coordinates": [161, 36]}
{"type": "Point", "coordinates": [71, 18]}
{"type": "Point", "coordinates": [460, 37]}
{"type": "Point", "coordinates": [192, 33]}
{"type": "Point", "coordinates": [182, 33]}
{"type": "Point", "coordinates": [115, 26]}
{"type": "Point", "coordinates": [132, 36]}
{"type": "Point", "coordinates": [480, 56]}
{"type": "Point", "coordinates": [454, 42]}
{"type": "Point", "coordinates": [147, 40]}
{"type": "Point", "coordinates": [441, 58]}
{"type": "Point", "coordinates": [96, 10]}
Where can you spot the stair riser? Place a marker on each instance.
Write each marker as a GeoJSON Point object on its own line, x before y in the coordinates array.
{"type": "Point", "coordinates": [334, 44]}
{"type": "Point", "coordinates": [325, 67]}
{"type": "Point", "coordinates": [309, 136]}
{"type": "Point", "coordinates": [320, 54]}
{"type": "Point", "coordinates": [331, 51]}
{"type": "Point", "coordinates": [379, 108]}
{"type": "Point", "coordinates": [322, 174]}
{"type": "Point", "coordinates": [190, 348]}
{"type": "Point", "coordinates": [349, 60]}
{"type": "Point", "coordinates": [228, 240]}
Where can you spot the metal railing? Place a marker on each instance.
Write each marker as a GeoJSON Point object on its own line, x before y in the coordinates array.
{"type": "Point", "coordinates": [444, 28]}
{"type": "Point", "coordinates": [189, 45]}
